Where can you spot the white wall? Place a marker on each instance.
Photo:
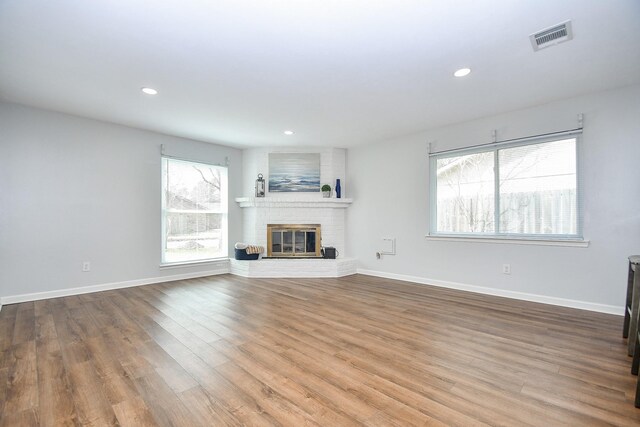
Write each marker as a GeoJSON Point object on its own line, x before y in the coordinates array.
{"type": "Point", "coordinates": [74, 190]}
{"type": "Point", "coordinates": [389, 184]}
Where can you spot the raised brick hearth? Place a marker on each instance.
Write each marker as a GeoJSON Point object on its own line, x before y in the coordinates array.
{"type": "Point", "coordinates": [294, 267]}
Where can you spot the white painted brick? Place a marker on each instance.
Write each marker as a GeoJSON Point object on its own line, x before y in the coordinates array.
{"type": "Point", "coordinates": [330, 218]}
{"type": "Point", "coordinates": [294, 268]}
{"type": "Point", "coordinates": [293, 208]}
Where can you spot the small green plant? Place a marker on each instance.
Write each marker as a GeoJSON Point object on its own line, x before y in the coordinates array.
{"type": "Point", "coordinates": [326, 187]}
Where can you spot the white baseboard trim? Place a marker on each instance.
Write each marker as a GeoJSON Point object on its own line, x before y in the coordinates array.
{"type": "Point", "coordinates": [223, 269]}
{"type": "Point", "coordinates": [583, 305]}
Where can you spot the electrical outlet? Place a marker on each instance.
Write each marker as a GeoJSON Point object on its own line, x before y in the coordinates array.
{"type": "Point", "coordinates": [506, 268]}
{"type": "Point", "coordinates": [86, 266]}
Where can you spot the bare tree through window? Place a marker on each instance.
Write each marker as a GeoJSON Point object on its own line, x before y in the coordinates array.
{"type": "Point", "coordinates": [537, 190]}
{"type": "Point", "coordinates": [194, 211]}
{"type": "Point", "coordinates": [465, 192]}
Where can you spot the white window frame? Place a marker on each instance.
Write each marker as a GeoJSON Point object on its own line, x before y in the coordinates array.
{"type": "Point", "coordinates": [497, 237]}
{"type": "Point", "coordinates": [224, 210]}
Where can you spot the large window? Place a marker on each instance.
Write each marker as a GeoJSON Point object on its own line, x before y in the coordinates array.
{"type": "Point", "coordinates": [194, 211]}
{"type": "Point", "coordinates": [520, 189]}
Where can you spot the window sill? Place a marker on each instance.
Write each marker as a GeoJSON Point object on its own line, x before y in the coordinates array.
{"type": "Point", "coordinates": [510, 240]}
{"type": "Point", "coordinates": [194, 263]}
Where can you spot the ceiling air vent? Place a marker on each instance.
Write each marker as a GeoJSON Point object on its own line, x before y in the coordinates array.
{"type": "Point", "coordinates": [551, 36]}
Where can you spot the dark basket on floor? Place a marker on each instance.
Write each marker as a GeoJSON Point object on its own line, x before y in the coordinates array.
{"type": "Point", "coordinates": [242, 255]}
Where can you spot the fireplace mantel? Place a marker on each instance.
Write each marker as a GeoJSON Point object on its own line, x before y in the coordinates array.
{"type": "Point", "coordinates": [277, 202]}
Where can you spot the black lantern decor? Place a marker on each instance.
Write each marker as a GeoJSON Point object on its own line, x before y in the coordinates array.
{"type": "Point", "coordinates": [260, 186]}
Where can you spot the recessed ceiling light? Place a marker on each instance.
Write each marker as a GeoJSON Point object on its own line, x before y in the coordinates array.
{"type": "Point", "coordinates": [149, 91]}
{"type": "Point", "coordinates": [288, 132]}
{"type": "Point", "coordinates": [462, 72]}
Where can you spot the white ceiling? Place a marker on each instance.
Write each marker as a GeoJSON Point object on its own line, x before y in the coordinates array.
{"type": "Point", "coordinates": [337, 72]}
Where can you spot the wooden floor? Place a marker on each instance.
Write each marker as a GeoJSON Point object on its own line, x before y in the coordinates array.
{"type": "Point", "coordinates": [357, 350]}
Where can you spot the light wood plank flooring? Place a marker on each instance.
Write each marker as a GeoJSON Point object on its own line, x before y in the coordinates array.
{"type": "Point", "coordinates": [358, 350]}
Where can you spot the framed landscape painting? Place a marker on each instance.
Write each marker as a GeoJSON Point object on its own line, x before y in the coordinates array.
{"type": "Point", "coordinates": [294, 172]}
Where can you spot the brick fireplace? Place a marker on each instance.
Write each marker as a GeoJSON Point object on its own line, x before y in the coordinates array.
{"type": "Point", "coordinates": [327, 214]}
{"type": "Point", "coordinates": [305, 209]}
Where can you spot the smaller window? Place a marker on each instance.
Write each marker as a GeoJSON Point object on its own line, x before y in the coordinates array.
{"type": "Point", "coordinates": [508, 190]}
{"type": "Point", "coordinates": [194, 211]}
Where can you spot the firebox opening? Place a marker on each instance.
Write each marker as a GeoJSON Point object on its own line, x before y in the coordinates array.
{"type": "Point", "coordinates": [293, 240]}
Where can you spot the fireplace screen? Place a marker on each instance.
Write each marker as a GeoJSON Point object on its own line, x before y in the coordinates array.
{"type": "Point", "coordinates": [293, 240]}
